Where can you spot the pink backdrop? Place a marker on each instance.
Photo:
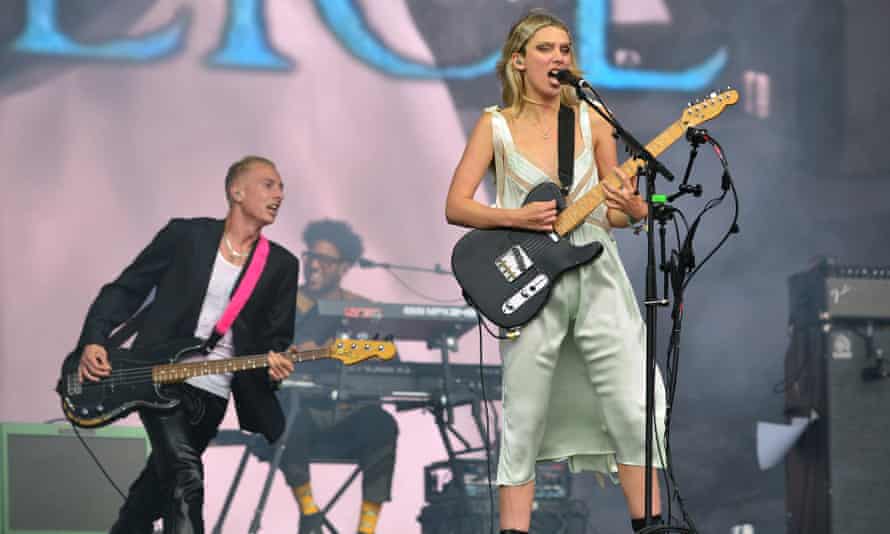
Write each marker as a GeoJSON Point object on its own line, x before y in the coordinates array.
{"type": "Point", "coordinates": [103, 154]}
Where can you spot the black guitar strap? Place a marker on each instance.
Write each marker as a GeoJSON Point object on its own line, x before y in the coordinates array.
{"type": "Point", "coordinates": [566, 147]}
{"type": "Point", "coordinates": [129, 328]}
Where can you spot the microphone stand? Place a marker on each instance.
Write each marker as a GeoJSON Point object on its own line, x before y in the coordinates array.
{"type": "Point", "coordinates": [650, 169]}
{"type": "Point", "coordinates": [367, 264]}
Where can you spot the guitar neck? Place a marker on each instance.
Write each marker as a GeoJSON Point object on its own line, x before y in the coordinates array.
{"type": "Point", "coordinates": [172, 373]}
{"type": "Point", "coordinates": [574, 215]}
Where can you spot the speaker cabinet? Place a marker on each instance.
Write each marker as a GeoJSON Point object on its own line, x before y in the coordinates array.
{"type": "Point", "coordinates": [838, 474]}
{"type": "Point", "coordinates": [49, 484]}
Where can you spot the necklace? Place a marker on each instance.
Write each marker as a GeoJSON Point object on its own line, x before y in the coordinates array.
{"type": "Point", "coordinates": [545, 133]}
{"type": "Point", "coordinates": [232, 250]}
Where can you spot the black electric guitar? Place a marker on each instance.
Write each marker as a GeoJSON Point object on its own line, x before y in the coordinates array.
{"type": "Point", "coordinates": [508, 274]}
{"type": "Point", "coordinates": [142, 378]}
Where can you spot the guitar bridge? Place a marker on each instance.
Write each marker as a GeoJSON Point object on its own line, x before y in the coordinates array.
{"type": "Point", "coordinates": [513, 263]}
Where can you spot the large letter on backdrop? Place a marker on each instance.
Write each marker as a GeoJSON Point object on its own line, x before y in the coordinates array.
{"type": "Point", "coordinates": [42, 36]}
{"type": "Point", "coordinates": [592, 18]}
{"type": "Point", "coordinates": [344, 19]}
{"type": "Point", "coordinates": [245, 42]}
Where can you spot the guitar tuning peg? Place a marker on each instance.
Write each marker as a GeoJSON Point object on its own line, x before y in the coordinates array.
{"type": "Point", "coordinates": [713, 94]}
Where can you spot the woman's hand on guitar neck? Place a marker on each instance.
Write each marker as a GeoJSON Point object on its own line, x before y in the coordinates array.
{"type": "Point", "coordinates": [625, 198]}
{"type": "Point", "coordinates": [94, 363]}
{"type": "Point", "coordinates": [280, 366]}
{"type": "Point", "coordinates": [538, 215]}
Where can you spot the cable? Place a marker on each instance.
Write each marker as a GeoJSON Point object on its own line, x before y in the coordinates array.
{"type": "Point", "coordinates": [481, 321]}
{"type": "Point", "coordinates": [487, 437]}
{"type": "Point", "coordinates": [98, 463]}
{"type": "Point", "coordinates": [680, 280]}
{"type": "Point", "coordinates": [419, 294]}
{"type": "Point", "coordinates": [727, 185]}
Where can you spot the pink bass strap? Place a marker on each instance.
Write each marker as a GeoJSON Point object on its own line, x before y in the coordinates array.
{"type": "Point", "coordinates": [242, 293]}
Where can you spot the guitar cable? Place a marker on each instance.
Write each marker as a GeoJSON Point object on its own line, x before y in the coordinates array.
{"type": "Point", "coordinates": [487, 437]}
{"type": "Point", "coordinates": [97, 462]}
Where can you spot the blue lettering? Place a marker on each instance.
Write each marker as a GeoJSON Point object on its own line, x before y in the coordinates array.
{"type": "Point", "coordinates": [343, 18]}
{"type": "Point", "coordinates": [245, 42]}
{"type": "Point", "coordinates": [42, 36]}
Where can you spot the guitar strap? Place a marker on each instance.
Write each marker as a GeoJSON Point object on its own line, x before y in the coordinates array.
{"type": "Point", "coordinates": [242, 293]}
{"type": "Point", "coordinates": [129, 328]}
{"type": "Point", "coordinates": [566, 148]}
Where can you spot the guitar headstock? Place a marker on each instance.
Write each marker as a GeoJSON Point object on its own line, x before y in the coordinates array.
{"type": "Point", "coordinates": [352, 351]}
{"type": "Point", "coordinates": [708, 107]}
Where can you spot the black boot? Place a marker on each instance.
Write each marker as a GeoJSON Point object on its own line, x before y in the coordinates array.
{"type": "Point", "coordinates": [640, 524]}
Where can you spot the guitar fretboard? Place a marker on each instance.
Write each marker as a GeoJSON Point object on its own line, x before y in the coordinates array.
{"type": "Point", "coordinates": [178, 372]}
{"type": "Point", "coordinates": [572, 217]}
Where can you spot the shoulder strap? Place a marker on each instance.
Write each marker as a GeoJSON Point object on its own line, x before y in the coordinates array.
{"type": "Point", "coordinates": [566, 147]}
{"type": "Point", "coordinates": [132, 326]}
{"type": "Point", "coordinates": [245, 288]}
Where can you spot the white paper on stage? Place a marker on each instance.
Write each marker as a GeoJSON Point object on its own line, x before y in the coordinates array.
{"type": "Point", "coordinates": [775, 440]}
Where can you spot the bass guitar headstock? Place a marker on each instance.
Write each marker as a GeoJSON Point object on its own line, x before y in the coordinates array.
{"type": "Point", "coordinates": [353, 351]}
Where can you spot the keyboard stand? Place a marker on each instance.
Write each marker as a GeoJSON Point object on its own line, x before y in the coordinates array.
{"type": "Point", "coordinates": [443, 411]}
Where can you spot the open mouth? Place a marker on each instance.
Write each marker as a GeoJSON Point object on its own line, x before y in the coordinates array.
{"type": "Point", "coordinates": [273, 208]}
{"type": "Point", "coordinates": [553, 77]}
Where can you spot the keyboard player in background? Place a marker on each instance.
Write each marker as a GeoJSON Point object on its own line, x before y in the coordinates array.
{"type": "Point", "coordinates": [363, 431]}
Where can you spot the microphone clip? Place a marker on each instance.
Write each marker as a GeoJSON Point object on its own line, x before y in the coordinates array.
{"type": "Point", "coordinates": [697, 136]}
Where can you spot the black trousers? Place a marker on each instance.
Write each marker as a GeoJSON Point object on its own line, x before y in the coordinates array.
{"type": "Point", "coordinates": [365, 434]}
{"type": "Point", "coordinates": [172, 484]}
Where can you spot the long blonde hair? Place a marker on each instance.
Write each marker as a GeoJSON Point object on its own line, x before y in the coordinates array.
{"type": "Point", "coordinates": [512, 86]}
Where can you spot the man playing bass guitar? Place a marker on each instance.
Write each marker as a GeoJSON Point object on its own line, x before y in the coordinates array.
{"type": "Point", "coordinates": [193, 265]}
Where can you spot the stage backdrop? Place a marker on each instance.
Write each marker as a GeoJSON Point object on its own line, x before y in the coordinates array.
{"type": "Point", "coordinates": [115, 117]}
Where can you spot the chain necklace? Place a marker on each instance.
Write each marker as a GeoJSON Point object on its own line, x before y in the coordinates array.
{"type": "Point", "coordinates": [545, 133]}
{"type": "Point", "coordinates": [232, 249]}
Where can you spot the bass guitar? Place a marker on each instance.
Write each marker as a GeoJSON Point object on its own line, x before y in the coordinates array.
{"type": "Point", "coordinates": [144, 378]}
{"type": "Point", "coordinates": [508, 274]}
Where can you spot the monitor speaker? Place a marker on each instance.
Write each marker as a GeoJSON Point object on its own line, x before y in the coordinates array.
{"type": "Point", "coordinates": [838, 474]}
{"type": "Point", "coordinates": [50, 484]}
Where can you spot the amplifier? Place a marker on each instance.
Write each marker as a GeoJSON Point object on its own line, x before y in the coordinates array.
{"type": "Point", "coordinates": [833, 292]}
{"type": "Point", "coordinates": [836, 475]}
{"type": "Point", "coordinates": [50, 485]}
{"type": "Point", "coordinates": [553, 480]}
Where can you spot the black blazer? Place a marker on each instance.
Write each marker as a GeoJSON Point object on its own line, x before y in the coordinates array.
{"type": "Point", "coordinates": [177, 265]}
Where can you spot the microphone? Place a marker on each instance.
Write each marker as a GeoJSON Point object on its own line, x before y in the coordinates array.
{"type": "Point", "coordinates": [365, 263]}
{"type": "Point", "coordinates": [566, 77]}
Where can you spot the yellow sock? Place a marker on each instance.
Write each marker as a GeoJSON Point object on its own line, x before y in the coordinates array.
{"type": "Point", "coordinates": [367, 521]}
{"type": "Point", "coordinates": [304, 499]}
